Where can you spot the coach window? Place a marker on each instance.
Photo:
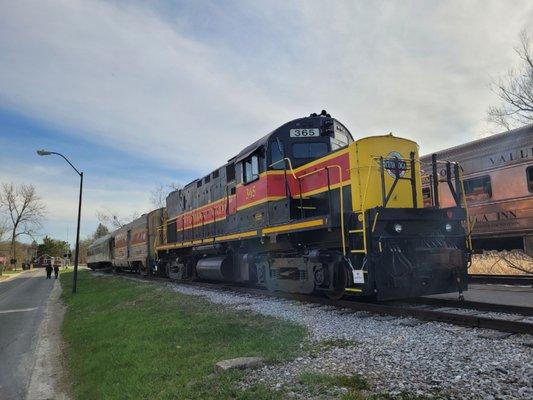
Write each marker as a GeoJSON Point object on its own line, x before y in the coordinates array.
{"type": "Point", "coordinates": [477, 189]}
{"type": "Point", "coordinates": [250, 169]}
{"type": "Point", "coordinates": [276, 155]}
{"type": "Point", "coordinates": [309, 149]}
{"type": "Point", "coordinates": [529, 176]}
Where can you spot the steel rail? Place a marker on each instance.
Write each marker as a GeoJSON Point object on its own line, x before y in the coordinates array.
{"type": "Point", "coordinates": [517, 280]}
{"type": "Point", "coordinates": [473, 305]}
{"type": "Point", "coordinates": [468, 320]}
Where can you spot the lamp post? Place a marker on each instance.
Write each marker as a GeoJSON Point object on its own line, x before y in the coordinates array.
{"type": "Point", "coordinates": [76, 256]}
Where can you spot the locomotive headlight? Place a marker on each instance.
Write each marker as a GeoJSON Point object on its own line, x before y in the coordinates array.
{"type": "Point", "coordinates": [448, 227]}
{"type": "Point", "coordinates": [398, 228]}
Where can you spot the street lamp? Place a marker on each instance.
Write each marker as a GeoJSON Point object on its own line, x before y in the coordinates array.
{"type": "Point", "coordinates": [76, 256]}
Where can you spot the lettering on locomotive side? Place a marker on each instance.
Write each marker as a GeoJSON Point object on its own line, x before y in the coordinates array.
{"type": "Point", "coordinates": [250, 192]}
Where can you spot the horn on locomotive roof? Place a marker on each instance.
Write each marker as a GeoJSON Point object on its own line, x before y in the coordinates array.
{"type": "Point", "coordinates": [323, 113]}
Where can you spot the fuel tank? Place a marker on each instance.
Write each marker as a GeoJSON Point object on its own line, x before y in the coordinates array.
{"type": "Point", "coordinates": [218, 268]}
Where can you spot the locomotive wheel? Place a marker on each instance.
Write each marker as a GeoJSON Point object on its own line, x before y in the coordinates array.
{"type": "Point", "coordinates": [341, 281]}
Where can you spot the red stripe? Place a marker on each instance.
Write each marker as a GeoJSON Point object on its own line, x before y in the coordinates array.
{"type": "Point", "coordinates": [272, 185]}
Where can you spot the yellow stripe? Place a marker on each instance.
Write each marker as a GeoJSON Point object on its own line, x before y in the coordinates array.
{"type": "Point", "coordinates": [353, 290]}
{"type": "Point", "coordinates": [205, 223]}
{"type": "Point", "coordinates": [240, 235]}
{"type": "Point", "coordinates": [330, 156]}
{"type": "Point", "coordinates": [236, 236]}
{"type": "Point", "coordinates": [304, 194]}
{"type": "Point", "coordinates": [264, 200]}
{"type": "Point", "coordinates": [206, 241]}
{"type": "Point", "coordinates": [299, 225]}
{"type": "Point", "coordinates": [173, 246]}
{"type": "Point", "coordinates": [322, 189]}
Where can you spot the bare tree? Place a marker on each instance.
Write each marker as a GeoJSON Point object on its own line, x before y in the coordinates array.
{"type": "Point", "coordinates": [25, 211]}
{"type": "Point", "coordinates": [110, 218]}
{"type": "Point", "coordinates": [159, 194]}
{"type": "Point", "coordinates": [515, 90]}
{"type": "Point", "coordinates": [4, 228]}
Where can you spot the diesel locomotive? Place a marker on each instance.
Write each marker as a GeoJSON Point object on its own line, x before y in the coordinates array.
{"type": "Point", "coordinates": [307, 209]}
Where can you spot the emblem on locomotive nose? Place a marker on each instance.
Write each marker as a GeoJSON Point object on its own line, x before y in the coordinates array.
{"type": "Point", "coordinates": [390, 164]}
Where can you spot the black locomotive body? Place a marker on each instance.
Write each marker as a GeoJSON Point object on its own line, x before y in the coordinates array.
{"type": "Point", "coordinates": [307, 209]}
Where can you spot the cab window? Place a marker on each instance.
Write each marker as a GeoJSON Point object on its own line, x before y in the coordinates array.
{"type": "Point", "coordinates": [479, 188]}
{"type": "Point", "coordinates": [309, 150]}
{"type": "Point", "coordinates": [250, 169]}
{"type": "Point", "coordinates": [339, 140]}
{"type": "Point", "coordinates": [276, 155]}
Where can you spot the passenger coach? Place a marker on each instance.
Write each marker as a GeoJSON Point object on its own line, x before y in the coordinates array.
{"type": "Point", "coordinates": [498, 182]}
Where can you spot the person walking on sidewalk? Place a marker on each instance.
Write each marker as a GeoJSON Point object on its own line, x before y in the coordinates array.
{"type": "Point", "coordinates": [56, 270]}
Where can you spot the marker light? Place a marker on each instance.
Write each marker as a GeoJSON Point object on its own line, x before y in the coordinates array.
{"type": "Point", "coordinates": [448, 228]}
{"type": "Point", "coordinates": [398, 228]}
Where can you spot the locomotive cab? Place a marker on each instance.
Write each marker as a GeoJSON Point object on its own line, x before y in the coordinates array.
{"type": "Point", "coordinates": [302, 141]}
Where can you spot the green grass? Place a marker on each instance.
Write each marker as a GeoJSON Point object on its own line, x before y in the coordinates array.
{"type": "Point", "coordinates": [11, 271]}
{"type": "Point", "coordinates": [129, 340]}
{"type": "Point", "coordinates": [7, 273]}
{"type": "Point", "coordinates": [328, 384]}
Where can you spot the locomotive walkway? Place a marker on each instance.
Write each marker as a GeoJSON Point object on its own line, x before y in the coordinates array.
{"type": "Point", "coordinates": [24, 312]}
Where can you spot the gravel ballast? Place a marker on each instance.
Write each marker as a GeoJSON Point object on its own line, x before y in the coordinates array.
{"type": "Point", "coordinates": [396, 355]}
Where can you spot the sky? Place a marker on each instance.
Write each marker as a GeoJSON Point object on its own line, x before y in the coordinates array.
{"type": "Point", "coordinates": [140, 93]}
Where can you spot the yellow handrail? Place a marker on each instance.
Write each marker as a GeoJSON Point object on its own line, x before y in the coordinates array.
{"type": "Point", "coordinates": [341, 198]}
{"type": "Point", "coordinates": [366, 186]}
{"type": "Point", "coordinates": [290, 165]}
{"type": "Point", "coordinates": [469, 229]}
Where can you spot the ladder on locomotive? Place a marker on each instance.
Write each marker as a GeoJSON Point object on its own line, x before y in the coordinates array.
{"type": "Point", "coordinates": [357, 233]}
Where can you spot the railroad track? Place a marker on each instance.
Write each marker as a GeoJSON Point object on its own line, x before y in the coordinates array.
{"type": "Point", "coordinates": [449, 311]}
{"type": "Point", "coordinates": [516, 280]}
{"type": "Point", "coordinates": [473, 305]}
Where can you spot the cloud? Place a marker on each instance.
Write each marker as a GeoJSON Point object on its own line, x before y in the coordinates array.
{"type": "Point", "coordinates": [125, 76]}
{"type": "Point", "coordinates": [185, 86]}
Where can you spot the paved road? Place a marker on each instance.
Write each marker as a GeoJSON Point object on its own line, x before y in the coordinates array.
{"type": "Point", "coordinates": [22, 303]}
